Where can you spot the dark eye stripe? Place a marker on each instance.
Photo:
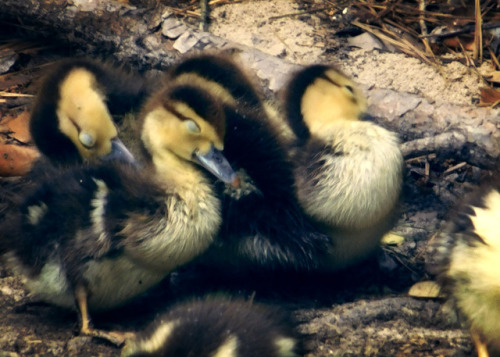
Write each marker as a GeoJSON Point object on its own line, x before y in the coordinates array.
{"type": "Point", "coordinates": [348, 87]}
{"type": "Point", "coordinates": [174, 111]}
{"type": "Point", "coordinates": [75, 124]}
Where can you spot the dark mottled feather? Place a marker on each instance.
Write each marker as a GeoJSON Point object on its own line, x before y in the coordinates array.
{"type": "Point", "coordinates": [267, 224]}
{"type": "Point", "coordinates": [68, 196]}
{"type": "Point", "coordinates": [206, 325]}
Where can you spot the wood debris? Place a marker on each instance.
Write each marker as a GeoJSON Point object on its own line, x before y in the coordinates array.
{"type": "Point", "coordinates": [425, 29]}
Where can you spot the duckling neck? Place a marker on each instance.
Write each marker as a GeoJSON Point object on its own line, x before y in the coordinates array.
{"type": "Point", "coordinates": [328, 129]}
{"type": "Point", "coordinates": [184, 178]}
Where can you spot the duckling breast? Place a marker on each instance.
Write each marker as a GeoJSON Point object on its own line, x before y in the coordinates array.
{"type": "Point", "coordinates": [115, 281]}
{"type": "Point", "coordinates": [49, 284]}
{"type": "Point", "coordinates": [184, 230]}
{"type": "Point", "coordinates": [352, 178]}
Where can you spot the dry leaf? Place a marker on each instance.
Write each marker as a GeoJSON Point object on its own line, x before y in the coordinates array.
{"type": "Point", "coordinates": [16, 160]}
{"type": "Point", "coordinates": [493, 77]}
{"type": "Point", "coordinates": [392, 239]}
{"type": "Point", "coordinates": [489, 97]}
{"type": "Point", "coordinates": [426, 289]}
{"type": "Point", "coordinates": [20, 127]}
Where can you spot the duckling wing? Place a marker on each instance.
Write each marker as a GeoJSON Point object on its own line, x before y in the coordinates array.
{"type": "Point", "coordinates": [75, 214]}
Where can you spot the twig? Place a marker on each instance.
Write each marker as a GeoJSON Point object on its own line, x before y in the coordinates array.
{"type": "Point", "coordinates": [9, 94]}
{"type": "Point", "coordinates": [423, 26]}
{"type": "Point", "coordinates": [494, 58]}
{"type": "Point", "coordinates": [272, 18]}
{"type": "Point", "coordinates": [454, 168]}
{"type": "Point", "coordinates": [204, 14]}
{"type": "Point", "coordinates": [444, 143]}
{"type": "Point", "coordinates": [478, 32]}
{"type": "Point", "coordinates": [465, 29]}
{"type": "Point", "coordinates": [403, 44]}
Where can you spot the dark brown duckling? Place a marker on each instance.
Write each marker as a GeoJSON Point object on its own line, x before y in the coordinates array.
{"type": "Point", "coordinates": [263, 224]}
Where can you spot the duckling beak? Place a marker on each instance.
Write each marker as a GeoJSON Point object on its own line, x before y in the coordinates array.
{"type": "Point", "coordinates": [217, 164]}
{"type": "Point", "coordinates": [119, 152]}
{"type": "Point", "coordinates": [366, 117]}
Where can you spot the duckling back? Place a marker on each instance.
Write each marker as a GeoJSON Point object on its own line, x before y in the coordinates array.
{"type": "Point", "coordinates": [221, 76]}
{"type": "Point", "coordinates": [263, 224]}
{"type": "Point", "coordinates": [216, 327]}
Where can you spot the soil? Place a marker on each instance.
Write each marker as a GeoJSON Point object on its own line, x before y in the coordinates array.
{"type": "Point", "coordinates": [364, 311]}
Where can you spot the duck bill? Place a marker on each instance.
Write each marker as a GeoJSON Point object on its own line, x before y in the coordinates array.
{"type": "Point", "coordinates": [119, 152]}
{"type": "Point", "coordinates": [366, 117]}
{"type": "Point", "coordinates": [217, 164]}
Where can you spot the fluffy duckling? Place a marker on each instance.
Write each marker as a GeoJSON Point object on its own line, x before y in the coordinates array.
{"type": "Point", "coordinates": [99, 235]}
{"type": "Point", "coordinates": [263, 225]}
{"type": "Point", "coordinates": [216, 327]}
{"type": "Point", "coordinates": [71, 120]}
{"type": "Point", "coordinates": [348, 172]}
{"type": "Point", "coordinates": [468, 254]}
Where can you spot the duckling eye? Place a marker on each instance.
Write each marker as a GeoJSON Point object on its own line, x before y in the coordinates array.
{"type": "Point", "coordinates": [192, 127]}
{"type": "Point", "coordinates": [349, 89]}
{"type": "Point", "coordinates": [86, 139]}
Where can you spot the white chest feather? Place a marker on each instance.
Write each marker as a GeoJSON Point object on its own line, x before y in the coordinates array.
{"type": "Point", "coordinates": [359, 182]}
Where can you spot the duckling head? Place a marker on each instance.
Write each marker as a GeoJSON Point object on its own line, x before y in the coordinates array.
{"type": "Point", "coordinates": [319, 95]}
{"type": "Point", "coordinates": [84, 118]}
{"type": "Point", "coordinates": [72, 123]}
{"type": "Point", "coordinates": [185, 123]}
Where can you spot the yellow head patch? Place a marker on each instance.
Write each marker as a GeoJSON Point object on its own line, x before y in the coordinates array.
{"type": "Point", "coordinates": [178, 130]}
{"type": "Point", "coordinates": [83, 115]}
{"type": "Point", "coordinates": [330, 98]}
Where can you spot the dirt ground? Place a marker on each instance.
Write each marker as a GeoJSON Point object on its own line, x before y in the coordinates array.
{"type": "Point", "coordinates": [364, 311]}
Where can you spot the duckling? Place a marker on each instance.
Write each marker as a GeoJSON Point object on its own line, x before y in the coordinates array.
{"type": "Point", "coordinates": [468, 256]}
{"type": "Point", "coordinates": [101, 234]}
{"type": "Point", "coordinates": [263, 225]}
{"type": "Point", "coordinates": [71, 120]}
{"type": "Point", "coordinates": [216, 327]}
{"type": "Point", "coordinates": [348, 172]}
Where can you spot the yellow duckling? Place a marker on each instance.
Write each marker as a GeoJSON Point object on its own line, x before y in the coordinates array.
{"type": "Point", "coordinates": [469, 256]}
{"type": "Point", "coordinates": [348, 171]}
{"type": "Point", "coordinates": [99, 235]}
